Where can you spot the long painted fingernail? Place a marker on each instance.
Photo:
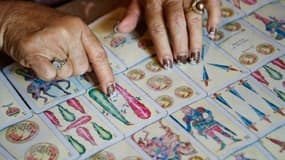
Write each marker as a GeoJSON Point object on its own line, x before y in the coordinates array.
{"type": "Point", "coordinates": [110, 90]}
{"type": "Point", "coordinates": [195, 56]}
{"type": "Point", "coordinates": [167, 63]}
{"type": "Point", "coordinates": [115, 28]}
{"type": "Point", "coordinates": [212, 33]}
{"type": "Point", "coordinates": [181, 59]}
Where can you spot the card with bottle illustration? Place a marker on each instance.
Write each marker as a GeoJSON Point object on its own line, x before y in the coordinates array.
{"type": "Point", "coordinates": [270, 20]}
{"type": "Point", "coordinates": [215, 70]}
{"type": "Point", "coordinates": [163, 140]}
{"type": "Point", "coordinates": [130, 48]}
{"type": "Point", "coordinates": [272, 76]}
{"type": "Point", "coordinates": [123, 150]}
{"type": "Point", "coordinates": [12, 108]}
{"type": "Point", "coordinates": [82, 126]}
{"type": "Point", "coordinates": [254, 106]}
{"type": "Point", "coordinates": [38, 94]}
{"type": "Point", "coordinates": [254, 151]}
{"type": "Point", "coordinates": [248, 6]}
{"type": "Point", "coordinates": [274, 142]}
{"type": "Point", "coordinates": [129, 110]}
{"type": "Point", "coordinates": [170, 88]}
{"type": "Point", "coordinates": [33, 139]}
{"type": "Point", "coordinates": [248, 47]}
{"type": "Point", "coordinates": [213, 127]}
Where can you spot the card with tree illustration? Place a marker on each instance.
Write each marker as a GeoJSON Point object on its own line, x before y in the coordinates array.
{"type": "Point", "coordinates": [171, 89]}
{"type": "Point", "coordinates": [213, 128]}
{"type": "Point", "coordinates": [163, 140]}
{"type": "Point", "coordinates": [130, 48]}
{"type": "Point", "coordinates": [249, 48]}
{"type": "Point", "coordinates": [82, 126]}
{"type": "Point", "coordinates": [272, 75]}
{"type": "Point", "coordinates": [256, 108]}
{"type": "Point", "coordinates": [33, 139]}
{"type": "Point", "coordinates": [12, 108]}
{"type": "Point", "coordinates": [270, 20]}
{"type": "Point", "coordinates": [41, 95]}
{"type": "Point", "coordinates": [129, 110]}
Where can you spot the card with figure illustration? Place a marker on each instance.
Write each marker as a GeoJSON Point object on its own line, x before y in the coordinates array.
{"type": "Point", "coordinates": [272, 75]}
{"type": "Point", "coordinates": [33, 139]}
{"type": "Point", "coordinates": [275, 143]}
{"type": "Point", "coordinates": [12, 108]}
{"type": "Point", "coordinates": [82, 125]}
{"type": "Point", "coordinates": [171, 89]}
{"type": "Point", "coordinates": [130, 48]}
{"type": "Point", "coordinates": [215, 70]}
{"type": "Point", "coordinates": [248, 6]}
{"type": "Point", "coordinates": [213, 127]}
{"type": "Point", "coordinates": [121, 151]}
{"type": "Point", "coordinates": [163, 140]}
{"type": "Point", "coordinates": [249, 48]}
{"type": "Point", "coordinates": [41, 95]}
{"type": "Point", "coordinates": [129, 110]}
{"type": "Point", "coordinates": [254, 106]}
{"type": "Point", "coordinates": [270, 23]}
{"type": "Point", "coordinates": [254, 151]}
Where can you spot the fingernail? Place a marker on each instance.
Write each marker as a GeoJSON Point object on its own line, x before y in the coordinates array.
{"type": "Point", "coordinates": [115, 28]}
{"type": "Point", "coordinates": [181, 59]}
{"type": "Point", "coordinates": [212, 33]}
{"type": "Point", "coordinates": [110, 90]}
{"type": "Point", "coordinates": [167, 63]}
{"type": "Point", "coordinates": [195, 56]}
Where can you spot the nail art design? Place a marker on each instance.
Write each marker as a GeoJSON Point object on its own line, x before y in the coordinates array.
{"type": "Point", "coordinates": [212, 33]}
{"type": "Point", "coordinates": [167, 63]}
{"type": "Point", "coordinates": [111, 92]}
{"type": "Point", "coordinates": [115, 28]}
{"type": "Point", "coordinates": [195, 56]}
{"type": "Point", "coordinates": [182, 59]}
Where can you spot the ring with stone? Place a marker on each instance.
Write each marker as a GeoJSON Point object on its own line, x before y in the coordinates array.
{"type": "Point", "coordinates": [58, 63]}
{"type": "Point", "coordinates": [197, 6]}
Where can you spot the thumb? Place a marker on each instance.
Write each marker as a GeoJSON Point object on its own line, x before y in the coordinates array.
{"type": "Point", "coordinates": [131, 18]}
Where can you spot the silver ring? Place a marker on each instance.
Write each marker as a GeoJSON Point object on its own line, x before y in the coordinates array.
{"type": "Point", "coordinates": [58, 63]}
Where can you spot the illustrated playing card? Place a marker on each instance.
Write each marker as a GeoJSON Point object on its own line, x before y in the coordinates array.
{"type": "Point", "coordinates": [215, 70]}
{"type": "Point", "coordinates": [32, 139]}
{"type": "Point", "coordinates": [254, 151]}
{"type": "Point", "coordinates": [249, 6]}
{"type": "Point", "coordinates": [212, 127]}
{"type": "Point", "coordinates": [248, 47]}
{"type": "Point", "coordinates": [130, 110]}
{"type": "Point", "coordinates": [255, 108]}
{"type": "Point", "coordinates": [12, 108]}
{"type": "Point", "coordinates": [82, 126]}
{"type": "Point", "coordinates": [122, 150]}
{"type": "Point", "coordinates": [130, 48]}
{"type": "Point", "coordinates": [41, 95]}
{"type": "Point", "coordinates": [162, 140]}
{"type": "Point", "coordinates": [275, 143]}
{"type": "Point", "coordinates": [272, 75]}
{"type": "Point", "coordinates": [169, 88]}
{"type": "Point", "coordinates": [269, 22]}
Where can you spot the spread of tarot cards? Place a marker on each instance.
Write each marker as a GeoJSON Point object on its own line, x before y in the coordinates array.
{"type": "Point", "coordinates": [229, 106]}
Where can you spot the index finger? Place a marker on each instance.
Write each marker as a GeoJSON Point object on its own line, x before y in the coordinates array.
{"type": "Point", "coordinates": [99, 61]}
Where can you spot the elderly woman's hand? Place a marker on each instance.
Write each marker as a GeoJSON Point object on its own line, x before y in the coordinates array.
{"type": "Point", "coordinates": [53, 44]}
{"type": "Point", "coordinates": [175, 26]}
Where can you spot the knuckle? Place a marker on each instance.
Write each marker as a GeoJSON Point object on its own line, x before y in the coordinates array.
{"type": "Point", "coordinates": [157, 28]}
{"type": "Point", "coordinates": [195, 20]}
{"type": "Point", "coordinates": [100, 57]}
{"type": "Point", "coordinates": [178, 20]}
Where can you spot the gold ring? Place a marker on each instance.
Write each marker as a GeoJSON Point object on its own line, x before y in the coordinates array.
{"type": "Point", "coordinates": [197, 6]}
{"type": "Point", "coordinates": [58, 64]}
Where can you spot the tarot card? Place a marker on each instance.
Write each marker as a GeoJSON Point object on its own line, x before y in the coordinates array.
{"type": "Point", "coordinates": [32, 139]}
{"type": "Point", "coordinates": [272, 75]}
{"type": "Point", "coordinates": [82, 126]}
{"type": "Point", "coordinates": [255, 107]}
{"type": "Point", "coordinates": [247, 46]}
{"type": "Point", "coordinates": [123, 150]}
{"type": "Point", "coordinates": [171, 89]}
{"type": "Point", "coordinates": [5, 155]}
{"type": "Point", "coordinates": [269, 22]}
{"type": "Point", "coordinates": [130, 110]}
{"type": "Point", "coordinates": [254, 151]}
{"type": "Point", "coordinates": [12, 108]}
{"type": "Point", "coordinates": [130, 48]}
{"type": "Point", "coordinates": [41, 95]}
{"type": "Point", "coordinates": [163, 140]}
{"type": "Point", "coordinates": [215, 69]}
{"type": "Point", "coordinates": [275, 143]}
{"type": "Point", "coordinates": [248, 6]}
{"type": "Point", "coordinates": [213, 128]}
